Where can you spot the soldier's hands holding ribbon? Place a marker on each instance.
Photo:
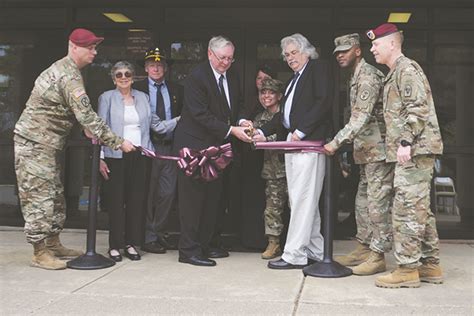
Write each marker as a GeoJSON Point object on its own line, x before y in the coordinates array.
{"type": "Point", "coordinates": [127, 146]}
{"type": "Point", "coordinates": [88, 133]}
{"type": "Point", "coordinates": [329, 150]}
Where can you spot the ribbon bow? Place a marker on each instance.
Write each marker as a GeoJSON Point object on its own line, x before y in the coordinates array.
{"type": "Point", "coordinates": [210, 161]}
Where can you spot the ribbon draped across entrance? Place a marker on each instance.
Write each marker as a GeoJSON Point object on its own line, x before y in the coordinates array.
{"type": "Point", "coordinates": [206, 164]}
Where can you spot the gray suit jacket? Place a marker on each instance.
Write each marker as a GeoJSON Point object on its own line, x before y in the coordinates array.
{"type": "Point", "coordinates": [111, 109]}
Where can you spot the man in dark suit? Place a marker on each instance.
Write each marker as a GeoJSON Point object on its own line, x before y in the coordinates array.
{"type": "Point", "coordinates": [211, 108]}
{"type": "Point", "coordinates": [166, 100]}
{"type": "Point", "coordinates": [305, 115]}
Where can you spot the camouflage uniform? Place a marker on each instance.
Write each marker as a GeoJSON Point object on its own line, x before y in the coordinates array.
{"type": "Point", "coordinates": [276, 188]}
{"type": "Point", "coordinates": [410, 115]}
{"type": "Point", "coordinates": [58, 99]}
{"type": "Point", "coordinates": [366, 129]}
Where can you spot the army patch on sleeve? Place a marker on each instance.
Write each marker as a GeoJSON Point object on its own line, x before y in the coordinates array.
{"type": "Point", "coordinates": [85, 100]}
{"type": "Point", "coordinates": [365, 95]}
{"type": "Point", "coordinates": [407, 91]}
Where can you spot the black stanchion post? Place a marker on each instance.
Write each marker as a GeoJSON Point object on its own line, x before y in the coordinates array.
{"type": "Point", "coordinates": [92, 260]}
{"type": "Point", "coordinates": [328, 268]}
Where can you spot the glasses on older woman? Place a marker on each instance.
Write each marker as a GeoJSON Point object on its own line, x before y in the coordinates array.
{"type": "Point", "coordinates": [120, 74]}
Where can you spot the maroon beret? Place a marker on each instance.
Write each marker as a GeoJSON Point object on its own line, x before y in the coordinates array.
{"type": "Point", "coordinates": [84, 38]}
{"type": "Point", "coordinates": [381, 31]}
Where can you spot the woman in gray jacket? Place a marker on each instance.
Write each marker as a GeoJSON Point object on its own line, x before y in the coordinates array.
{"type": "Point", "coordinates": [127, 112]}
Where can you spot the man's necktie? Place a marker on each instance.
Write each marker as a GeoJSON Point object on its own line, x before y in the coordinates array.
{"type": "Point", "coordinates": [222, 90]}
{"type": "Point", "coordinates": [292, 85]}
{"type": "Point", "coordinates": [160, 102]}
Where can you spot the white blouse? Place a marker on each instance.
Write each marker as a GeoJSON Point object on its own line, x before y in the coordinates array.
{"type": "Point", "coordinates": [131, 125]}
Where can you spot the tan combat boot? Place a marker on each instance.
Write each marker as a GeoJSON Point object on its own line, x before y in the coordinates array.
{"type": "Point", "coordinates": [430, 273]}
{"type": "Point", "coordinates": [357, 256]}
{"type": "Point", "coordinates": [273, 249]}
{"type": "Point", "coordinates": [42, 258]}
{"type": "Point", "coordinates": [374, 264]}
{"type": "Point", "coordinates": [400, 277]}
{"type": "Point", "coordinates": [56, 248]}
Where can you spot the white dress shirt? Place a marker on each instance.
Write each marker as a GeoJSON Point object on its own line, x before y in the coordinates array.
{"type": "Point", "coordinates": [289, 103]}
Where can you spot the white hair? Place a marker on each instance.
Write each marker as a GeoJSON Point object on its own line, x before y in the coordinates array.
{"type": "Point", "coordinates": [218, 42]}
{"type": "Point", "coordinates": [301, 42]}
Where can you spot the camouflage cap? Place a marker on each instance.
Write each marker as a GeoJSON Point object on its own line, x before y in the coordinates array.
{"type": "Point", "coordinates": [345, 42]}
{"type": "Point", "coordinates": [272, 85]}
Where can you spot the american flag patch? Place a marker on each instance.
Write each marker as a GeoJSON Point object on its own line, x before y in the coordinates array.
{"type": "Point", "coordinates": [78, 92]}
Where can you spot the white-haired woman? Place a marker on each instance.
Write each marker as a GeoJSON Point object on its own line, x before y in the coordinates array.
{"type": "Point", "coordinates": [127, 112]}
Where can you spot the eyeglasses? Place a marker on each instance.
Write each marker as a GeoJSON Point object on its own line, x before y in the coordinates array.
{"type": "Point", "coordinates": [119, 74]}
{"type": "Point", "coordinates": [222, 59]}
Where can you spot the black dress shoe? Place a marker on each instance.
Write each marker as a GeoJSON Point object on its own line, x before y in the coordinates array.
{"type": "Point", "coordinates": [283, 265]}
{"type": "Point", "coordinates": [165, 243]}
{"type": "Point", "coordinates": [132, 256]}
{"type": "Point", "coordinates": [216, 253]}
{"type": "Point", "coordinates": [116, 258]}
{"type": "Point", "coordinates": [198, 261]}
{"type": "Point", "coordinates": [153, 247]}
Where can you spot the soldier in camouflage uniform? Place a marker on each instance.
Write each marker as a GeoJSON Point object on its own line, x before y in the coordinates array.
{"type": "Point", "coordinates": [58, 99]}
{"type": "Point", "coordinates": [366, 129]}
{"type": "Point", "coordinates": [273, 170]}
{"type": "Point", "coordinates": [413, 139]}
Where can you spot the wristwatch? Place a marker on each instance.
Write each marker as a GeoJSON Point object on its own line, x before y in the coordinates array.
{"type": "Point", "coordinates": [405, 143]}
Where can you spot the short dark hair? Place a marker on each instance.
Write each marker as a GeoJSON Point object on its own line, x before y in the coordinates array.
{"type": "Point", "coordinates": [267, 70]}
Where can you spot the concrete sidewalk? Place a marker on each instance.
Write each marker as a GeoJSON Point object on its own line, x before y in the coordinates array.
{"type": "Point", "coordinates": [239, 285]}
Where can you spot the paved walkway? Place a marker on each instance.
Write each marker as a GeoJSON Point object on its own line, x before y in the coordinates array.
{"type": "Point", "coordinates": [239, 285]}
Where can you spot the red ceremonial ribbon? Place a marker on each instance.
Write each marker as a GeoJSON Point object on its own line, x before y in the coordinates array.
{"type": "Point", "coordinates": [303, 146]}
{"type": "Point", "coordinates": [210, 161]}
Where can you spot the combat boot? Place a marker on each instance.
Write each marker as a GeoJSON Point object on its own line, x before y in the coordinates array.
{"type": "Point", "coordinates": [357, 256]}
{"type": "Point", "coordinates": [56, 248]}
{"type": "Point", "coordinates": [430, 273]}
{"type": "Point", "coordinates": [42, 258]}
{"type": "Point", "coordinates": [374, 264]}
{"type": "Point", "coordinates": [273, 249]}
{"type": "Point", "coordinates": [400, 277]}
